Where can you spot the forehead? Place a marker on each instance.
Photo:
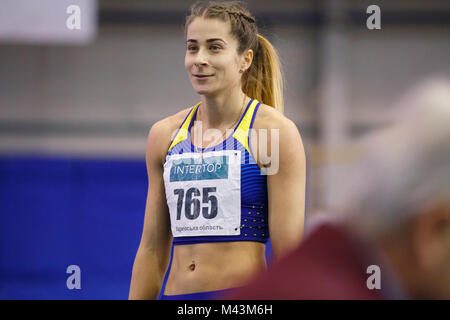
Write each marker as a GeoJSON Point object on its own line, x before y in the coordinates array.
{"type": "Point", "coordinates": [202, 29]}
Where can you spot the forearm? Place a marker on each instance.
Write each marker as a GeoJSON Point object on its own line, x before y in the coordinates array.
{"type": "Point", "coordinates": [283, 245]}
{"type": "Point", "coordinates": [147, 276]}
{"type": "Point", "coordinates": [286, 237]}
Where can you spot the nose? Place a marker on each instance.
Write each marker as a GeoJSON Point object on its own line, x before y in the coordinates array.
{"type": "Point", "coordinates": [201, 59]}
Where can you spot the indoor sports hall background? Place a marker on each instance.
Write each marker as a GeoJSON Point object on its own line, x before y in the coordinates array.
{"type": "Point", "coordinates": [77, 101]}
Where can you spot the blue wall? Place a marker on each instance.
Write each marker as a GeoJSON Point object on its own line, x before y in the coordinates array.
{"type": "Point", "coordinates": [60, 211]}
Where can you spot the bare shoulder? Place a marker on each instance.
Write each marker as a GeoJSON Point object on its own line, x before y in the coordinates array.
{"type": "Point", "coordinates": [286, 135]}
{"type": "Point", "coordinates": [161, 134]}
{"type": "Point", "coordinates": [268, 117]}
{"type": "Point", "coordinates": [282, 138]}
{"type": "Point", "coordinates": [169, 124]}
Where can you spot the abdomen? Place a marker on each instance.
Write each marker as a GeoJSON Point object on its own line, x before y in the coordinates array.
{"type": "Point", "coordinates": [218, 266]}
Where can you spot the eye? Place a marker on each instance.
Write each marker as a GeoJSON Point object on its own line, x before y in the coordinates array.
{"type": "Point", "coordinates": [215, 47]}
{"type": "Point", "coordinates": [191, 48]}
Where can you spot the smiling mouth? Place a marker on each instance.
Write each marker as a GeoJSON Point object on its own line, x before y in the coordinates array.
{"type": "Point", "coordinates": [202, 76]}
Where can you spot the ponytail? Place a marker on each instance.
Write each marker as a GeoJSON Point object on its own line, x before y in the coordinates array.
{"type": "Point", "coordinates": [264, 80]}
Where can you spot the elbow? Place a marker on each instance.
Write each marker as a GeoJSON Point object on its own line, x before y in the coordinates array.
{"type": "Point", "coordinates": [283, 245]}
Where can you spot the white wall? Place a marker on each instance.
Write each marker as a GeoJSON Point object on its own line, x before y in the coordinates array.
{"type": "Point", "coordinates": [102, 98]}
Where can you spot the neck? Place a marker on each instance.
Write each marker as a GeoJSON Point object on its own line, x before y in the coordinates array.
{"type": "Point", "coordinates": [221, 111]}
{"type": "Point", "coordinates": [392, 253]}
{"type": "Point", "coordinates": [400, 257]}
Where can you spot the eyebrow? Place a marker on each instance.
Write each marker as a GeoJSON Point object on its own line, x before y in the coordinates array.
{"type": "Point", "coordinates": [209, 40]}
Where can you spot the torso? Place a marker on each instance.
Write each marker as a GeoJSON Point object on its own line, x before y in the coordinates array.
{"type": "Point", "coordinates": [236, 260]}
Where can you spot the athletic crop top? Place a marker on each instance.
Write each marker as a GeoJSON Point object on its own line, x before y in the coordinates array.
{"type": "Point", "coordinates": [220, 194]}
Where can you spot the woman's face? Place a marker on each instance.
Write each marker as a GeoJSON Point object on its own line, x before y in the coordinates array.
{"type": "Point", "coordinates": [212, 61]}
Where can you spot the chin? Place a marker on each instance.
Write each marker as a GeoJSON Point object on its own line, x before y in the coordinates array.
{"type": "Point", "coordinates": [203, 91]}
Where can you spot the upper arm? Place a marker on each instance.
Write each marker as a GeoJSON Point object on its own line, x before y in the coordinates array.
{"type": "Point", "coordinates": [156, 235]}
{"type": "Point", "coordinates": [286, 187]}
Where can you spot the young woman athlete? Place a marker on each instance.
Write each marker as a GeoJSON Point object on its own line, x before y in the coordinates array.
{"type": "Point", "coordinates": [212, 193]}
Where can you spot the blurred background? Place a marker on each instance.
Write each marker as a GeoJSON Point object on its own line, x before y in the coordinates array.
{"type": "Point", "coordinates": [76, 105]}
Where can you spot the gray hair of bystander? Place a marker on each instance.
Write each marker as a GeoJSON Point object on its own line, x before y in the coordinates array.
{"type": "Point", "coordinates": [405, 166]}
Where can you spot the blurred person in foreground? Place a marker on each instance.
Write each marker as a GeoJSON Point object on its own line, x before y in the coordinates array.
{"type": "Point", "coordinates": [396, 217]}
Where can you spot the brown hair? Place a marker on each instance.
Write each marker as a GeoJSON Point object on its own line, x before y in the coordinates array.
{"type": "Point", "coordinates": [263, 80]}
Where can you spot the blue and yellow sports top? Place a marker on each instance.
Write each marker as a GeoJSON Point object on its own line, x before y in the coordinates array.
{"type": "Point", "coordinates": [221, 194]}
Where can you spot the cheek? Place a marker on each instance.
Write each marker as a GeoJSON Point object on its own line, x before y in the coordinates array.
{"type": "Point", "coordinates": [230, 68]}
{"type": "Point", "coordinates": [187, 62]}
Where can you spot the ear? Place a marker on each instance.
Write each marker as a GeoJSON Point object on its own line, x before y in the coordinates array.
{"type": "Point", "coordinates": [431, 235]}
{"type": "Point", "coordinates": [247, 58]}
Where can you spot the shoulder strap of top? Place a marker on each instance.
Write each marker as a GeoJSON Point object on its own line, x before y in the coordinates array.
{"type": "Point", "coordinates": [242, 131]}
{"type": "Point", "coordinates": [183, 130]}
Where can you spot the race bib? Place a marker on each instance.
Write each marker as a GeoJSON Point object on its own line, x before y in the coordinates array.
{"type": "Point", "coordinates": [204, 194]}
